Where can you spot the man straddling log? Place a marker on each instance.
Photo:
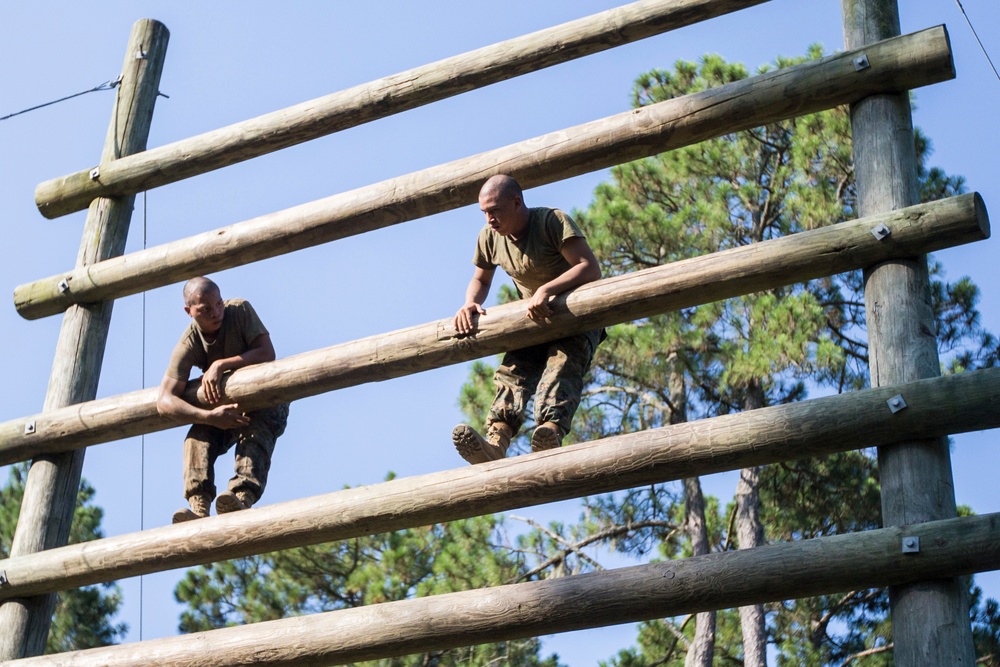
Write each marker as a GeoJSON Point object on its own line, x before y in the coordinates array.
{"type": "Point", "coordinates": [224, 336]}
{"type": "Point", "coordinates": [546, 254]}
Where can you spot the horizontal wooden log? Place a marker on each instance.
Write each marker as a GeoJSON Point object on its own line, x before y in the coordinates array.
{"type": "Point", "coordinates": [935, 407]}
{"type": "Point", "coordinates": [899, 64]}
{"type": "Point", "coordinates": [377, 99]}
{"type": "Point", "coordinates": [789, 570]}
{"type": "Point", "coordinates": [752, 268]}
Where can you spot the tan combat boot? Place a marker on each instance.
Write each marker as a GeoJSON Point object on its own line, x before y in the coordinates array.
{"type": "Point", "coordinates": [547, 436]}
{"type": "Point", "coordinates": [233, 502]}
{"type": "Point", "coordinates": [198, 510]}
{"type": "Point", "coordinates": [474, 448]}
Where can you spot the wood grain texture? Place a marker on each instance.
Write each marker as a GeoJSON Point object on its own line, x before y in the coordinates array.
{"type": "Point", "coordinates": [818, 427]}
{"type": "Point", "coordinates": [930, 620]}
{"type": "Point", "coordinates": [51, 487]}
{"type": "Point", "coordinates": [899, 64]}
{"type": "Point", "coordinates": [377, 99]}
{"type": "Point", "coordinates": [825, 565]}
{"type": "Point", "coordinates": [812, 254]}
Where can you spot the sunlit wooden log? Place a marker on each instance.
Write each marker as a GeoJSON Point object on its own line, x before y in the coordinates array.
{"type": "Point", "coordinates": [899, 64]}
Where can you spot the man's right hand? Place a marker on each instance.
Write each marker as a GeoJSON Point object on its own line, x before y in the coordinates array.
{"type": "Point", "coordinates": [465, 318]}
{"type": "Point", "coordinates": [227, 417]}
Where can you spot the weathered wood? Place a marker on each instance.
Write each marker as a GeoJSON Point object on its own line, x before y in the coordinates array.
{"type": "Point", "coordinates": [378, 99]}
{"type": "Point", "coordinates": [52, 483]}
{"type": "Point", "coordinates": [775, 263]}
{"type": "Point", "coordinates": [948, 405]}
{"type": "Point", "coordinates": [899, 64]}
{"type": "Point", "coordinates": [930, 621]}
{"type": "Point", "coordinates": [789, 570]}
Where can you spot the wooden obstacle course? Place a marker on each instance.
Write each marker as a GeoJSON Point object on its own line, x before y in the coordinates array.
{"type": "Point", "coordinates": [895, 65]}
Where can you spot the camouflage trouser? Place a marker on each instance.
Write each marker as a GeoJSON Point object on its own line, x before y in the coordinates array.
{"type": "Point", "coordinates": [254, 446]}
{"type": "Point", "coordinates": [552, 371]}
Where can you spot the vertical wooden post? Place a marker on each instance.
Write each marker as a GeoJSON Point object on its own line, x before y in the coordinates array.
{"type": "Point", "coordinates": [930, 620]}
{"type": "Point", "coordinates": [51, 487]}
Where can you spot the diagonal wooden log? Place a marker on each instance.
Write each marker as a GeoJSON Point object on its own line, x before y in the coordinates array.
{"type": "Point", "coordinates": [899, 64]}
{"type": "Point", "coordinates": [941, 406]}
{"type": "Point", "coordinates": [804, 256]}
{"type": "Point", "coordinates": [774, 572]}
{"type": "Point", "coordinates": [51, 487]}
{"type": "Point", "coordinates": [377, 99]}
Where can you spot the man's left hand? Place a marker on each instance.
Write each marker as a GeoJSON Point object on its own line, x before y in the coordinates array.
{"type": "Point", "coordinates": [211, 384]}
{"type": "Point", "coordinates": [538, 307]}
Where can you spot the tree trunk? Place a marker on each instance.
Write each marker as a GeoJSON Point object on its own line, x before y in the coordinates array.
{"type": "Point", "coordinates": [750, 533]}
{"type": "Point", "coordinates": [702, 649]}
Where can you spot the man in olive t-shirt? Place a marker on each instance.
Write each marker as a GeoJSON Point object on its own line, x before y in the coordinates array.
{"type": "Point", "coordinates": [545, 254]}
{"type": "Point", "coordinates": [224, 336]}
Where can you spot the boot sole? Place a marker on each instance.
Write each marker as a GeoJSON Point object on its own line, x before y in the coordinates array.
{"type": "Point", "coordinates": [545, 438]}
{"type": "Point", "coordinates": [228, 502]}
{"type": "Point", "coordinates": [468, 444]}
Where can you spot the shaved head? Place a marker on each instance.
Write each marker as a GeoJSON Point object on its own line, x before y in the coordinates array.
{"type": "Point", "coordinates": [503, 186]}
{"type": "Point", "coordinates": [196, 287]}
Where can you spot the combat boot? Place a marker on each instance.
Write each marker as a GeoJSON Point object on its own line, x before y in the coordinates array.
{"type": "Point", "coordinates": [547, 436]}
{"type": "Point", "coordinates": [233, 502]}
{"type": "Point", "coordinates": [199, 509]}
{"type": "Point", "coordinates": [474, 448]}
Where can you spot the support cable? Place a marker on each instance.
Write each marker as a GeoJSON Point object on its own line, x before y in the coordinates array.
{"type": "Point", "coordinates": [142, 441]}
{"type": "Point", "coordinates": [107, 85]}
{"type": "Point", "coordinates": [976, 35]}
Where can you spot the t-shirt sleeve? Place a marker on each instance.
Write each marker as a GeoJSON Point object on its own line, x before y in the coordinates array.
{"type": "Point", "coordinates": [565, 226]}
{"type": "Point", "coordinates": [483, 257]}
{"type": "Point", "coordinates": [183, 359]}
{"type": "Point", "coordinates": [250, 325]}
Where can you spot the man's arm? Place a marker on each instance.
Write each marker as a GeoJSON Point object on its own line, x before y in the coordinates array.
{"type": "Point", "coordinates": [170, 403]}
{"type": "Point", "coordinates": [475, 295]}
{"type": "Point", "coordinates": [260, 350]}
{"type": "Point", "coordinates": [583, 269]}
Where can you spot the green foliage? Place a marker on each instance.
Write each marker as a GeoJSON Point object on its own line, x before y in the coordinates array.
{"type": "Point", "coordinates": [431, 560]}
{"type": "Point", "coordinates": [83, 617]}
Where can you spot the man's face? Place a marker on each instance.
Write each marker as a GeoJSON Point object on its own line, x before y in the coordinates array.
{"type": "Point", "coordinates": [503, 214]}
{"type": "Point", "coordinates": [206, 309]}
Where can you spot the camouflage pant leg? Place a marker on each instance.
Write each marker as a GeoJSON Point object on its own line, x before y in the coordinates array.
{"type": "Point", "coordinates": [202, 446]}
{"type": "Point", "coordinates": [515, 381]}
{"type": "Point", "coordinates": [254, 447]}
{"type": "Point", "coordinates": [561, 385]}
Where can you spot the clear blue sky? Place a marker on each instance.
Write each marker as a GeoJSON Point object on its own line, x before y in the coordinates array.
{"type": "Point", "coordinates": [229, 61]}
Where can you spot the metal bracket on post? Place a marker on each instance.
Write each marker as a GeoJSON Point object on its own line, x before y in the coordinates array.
{"type": "Point", "coordinates": [880, 231]}
{"type": "Point", "coordinates": [3, 579]}
{"type": "Point", "coordinates": [911, 544]}
{"type": "Point", "coordinates": [861, 63]}
{"type": "Point", "coordinates": [63, 286]}
{"type": "Point", "coordinates": [29, 428]}
{"type": "Point", "coordinates": [95, 173]}
{"type": "Point", "coordinates": [896, 403]}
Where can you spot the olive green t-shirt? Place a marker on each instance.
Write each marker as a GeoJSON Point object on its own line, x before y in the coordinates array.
{"type": "Point", "coordinates": [240, 327]}
{"type": "Point", "coordinates": [533, 260]}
